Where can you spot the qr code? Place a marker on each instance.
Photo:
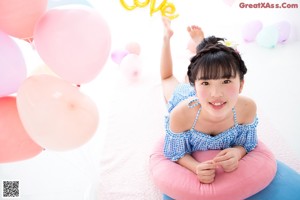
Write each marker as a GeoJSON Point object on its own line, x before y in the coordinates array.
{"type": "Point", "coordinates": [11, 189]}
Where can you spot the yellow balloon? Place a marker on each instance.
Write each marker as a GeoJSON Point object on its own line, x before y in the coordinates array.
{"type": "Point", "coordinates": [127, 7]}
{"type": "Point", "coordinates": [152, 6]}
{"type": "Point", "coordinates": [168, 10]}
{"type": "Point", "coordinates": [139, 4]}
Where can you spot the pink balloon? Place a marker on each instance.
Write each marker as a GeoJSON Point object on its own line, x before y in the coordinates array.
{"type": "Point", "coordinates": [118, 55]}
{"type": "Point", "coordinates": [18, 18]}
{"type": "Point", "coordinates": [131, 67]}
{"type": "Point", "coordinates": [284, 29]}
{"type": "Point", "coordinates": [15, 143]}
{"type": "Point", "coordinates": [74, 42]}
{"type": "Point", "coordinates": [133, 47]}
{"type": "Point", "coordinates": [251, 29]}
{"type": "Point", "coordinates": [12, 66]}
{"type": "Point", "coordinates": [55, 113]}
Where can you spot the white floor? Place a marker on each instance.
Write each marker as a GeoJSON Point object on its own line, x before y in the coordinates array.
{"type": "Point", "coordinates": [272, 81]}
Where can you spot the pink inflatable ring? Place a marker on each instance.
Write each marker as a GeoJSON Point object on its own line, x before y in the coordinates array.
{"type": "Point", "coordinates": [256, 171]}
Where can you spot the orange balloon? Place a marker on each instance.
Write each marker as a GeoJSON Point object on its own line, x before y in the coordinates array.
{"type": "Point", "coordinates": [133, 47]}
{"type": "Point", "coordinates": [18, 17]}
{"type": "Point", "coordinates": [55, 113]}
{"type": "Point", "coordinates": [15, 143]}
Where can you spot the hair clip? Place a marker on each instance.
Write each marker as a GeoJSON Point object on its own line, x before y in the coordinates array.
{"type": "Point", "coordinates": [229, 43]}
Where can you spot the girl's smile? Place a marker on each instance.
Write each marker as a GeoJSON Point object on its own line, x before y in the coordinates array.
{"type": "Point", "coordinates": [217, 105]}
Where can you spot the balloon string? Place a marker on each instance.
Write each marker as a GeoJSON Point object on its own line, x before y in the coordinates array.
{"type": "Point", "coordinates": [30, 41]}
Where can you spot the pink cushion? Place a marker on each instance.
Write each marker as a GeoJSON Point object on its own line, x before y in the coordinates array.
{"type": "Point", "coordinates": [256, 170]}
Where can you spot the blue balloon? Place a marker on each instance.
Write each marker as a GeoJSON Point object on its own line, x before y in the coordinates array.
{"type": "Point", "coordinates": [55, 3]}
{"type": "Point", "coordinates": [268, 37]}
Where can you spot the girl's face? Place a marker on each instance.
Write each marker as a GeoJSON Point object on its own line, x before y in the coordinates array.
{"type": "Point", "coordinates": [218, 96]}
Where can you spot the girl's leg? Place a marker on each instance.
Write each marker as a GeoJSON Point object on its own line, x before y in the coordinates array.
{"type": "Point", "coordinates": [196, 33]}
{"type": "Point", "coordinates": [169, 82]}
{"type": "Point", "coordinates": [197, 36]}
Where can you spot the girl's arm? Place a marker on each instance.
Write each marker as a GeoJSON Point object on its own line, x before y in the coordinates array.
{"type": "Point", "coordinates": [205, 171]}
{"type": "Point", "coordinates": [229, 158]}
{"type": "Point", "coordinates": [188, 162]}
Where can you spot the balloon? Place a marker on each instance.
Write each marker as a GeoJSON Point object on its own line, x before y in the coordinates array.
{"type": "Point", "coordinates": [133, 47]}
{"type": "Point", "coordinates": [128, 7]}
{"type": "Point", "coordinates": [18, 18]}
{"type": "Point", "coordinates": [251, 29]}
{"type": "Point", "coordinates": [131, 66]}
{"type": "Point", "coordinates": [12, 66]}
{"type": "Point", "coordinates": [75, 51]}
{"type": "Point", "coordinates": [55, 3]}
{"type": "Point", "coordinates": [15, 143]}
{"type": "Point", "coordinates": [118, 55]}
{"type": "Point", "coordinates": [167, 9]}
{"type": "Point", "coordinates": [55, 113]}
{"type": "Point", "coordinates": [268, 37]}
{"type": "Point", "coordinates": [284, 29]}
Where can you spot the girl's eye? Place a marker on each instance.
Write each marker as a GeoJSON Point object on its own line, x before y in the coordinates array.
{"type": "Point", "coordinates": [204, 83]}
{"type": "Point", "coordinates": [226, 81]}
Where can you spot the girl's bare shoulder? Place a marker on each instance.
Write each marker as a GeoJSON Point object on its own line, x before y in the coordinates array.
{"type": "Point", "coordinates": [245, 110]}
{"type": "Point", "coordinates": [182, 116]}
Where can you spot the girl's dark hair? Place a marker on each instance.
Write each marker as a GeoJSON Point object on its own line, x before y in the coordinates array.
{"type": "Point", "coordinates": [214, 60]}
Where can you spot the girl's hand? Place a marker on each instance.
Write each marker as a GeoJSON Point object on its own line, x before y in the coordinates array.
{"type": "Point", "coordinates": [229, 158]}
{"type": "Point", "coordinates": [206, 171]}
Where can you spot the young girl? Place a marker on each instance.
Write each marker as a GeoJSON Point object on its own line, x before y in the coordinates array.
{"type": "Point", "coordinates": [208, 112]}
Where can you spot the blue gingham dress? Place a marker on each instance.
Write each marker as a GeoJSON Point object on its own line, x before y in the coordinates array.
{"type": "Point", "coordinates": [178, 144]}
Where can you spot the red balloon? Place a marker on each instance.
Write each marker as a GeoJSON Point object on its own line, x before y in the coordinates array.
{"type": "Point", "coordinates": [15, 143]}
{"type": "Point", "coordinates": [18, 17]}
